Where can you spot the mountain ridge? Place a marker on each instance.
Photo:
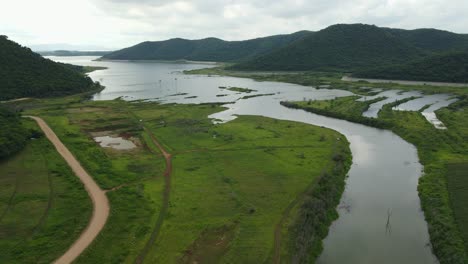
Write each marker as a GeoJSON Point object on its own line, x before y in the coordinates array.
{"type": "Point", "coordinates": [340, 47]}
{"type": "Point", "coordinates": [206, 49]}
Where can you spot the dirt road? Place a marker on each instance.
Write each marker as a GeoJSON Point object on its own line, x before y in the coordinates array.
{"type": "Point", "coordinates": [98, 196]}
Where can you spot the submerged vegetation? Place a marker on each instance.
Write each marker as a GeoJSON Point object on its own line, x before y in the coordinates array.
{"type": "Point", "coordinates": [239, 89]}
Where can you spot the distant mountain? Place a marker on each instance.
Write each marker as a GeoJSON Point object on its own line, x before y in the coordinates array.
{"type": "Point", "coordinates": [338, 47]}
{"type": "Point", "coordinates": [24, 73]}
{"type": "Point", "coordinates": [209, 49]}
{"type": "Point", "coordinates": [64, 46]}
{"type": "Point", "coordinates": [69, 53]}
{"type": "Point", "coordinates": [450, 67]}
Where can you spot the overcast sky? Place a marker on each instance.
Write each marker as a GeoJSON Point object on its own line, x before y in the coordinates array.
{"type": "Point", "coordinates": [115, 24]}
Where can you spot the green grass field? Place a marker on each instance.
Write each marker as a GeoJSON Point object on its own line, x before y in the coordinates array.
{"type": "Point", "coordinates": [458, 188]}
{"type": "Point", "coordinates": [444, 154]}
{"type": "Point", "coordinates": [343, 105]}
{"type": "Point", "coordinates": [43, 205]}
{"type": "Point", "coordinates": [231, 184]}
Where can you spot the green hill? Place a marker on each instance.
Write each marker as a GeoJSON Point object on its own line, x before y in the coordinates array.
{"type": "Point", "coordinates": [24, 73]}
{"type": "Point", "coordinates": [338, 47]}
{"type": "Point", "coordinates": [209, 49]}
{"type": "Point", "coordinates": [450, 67]}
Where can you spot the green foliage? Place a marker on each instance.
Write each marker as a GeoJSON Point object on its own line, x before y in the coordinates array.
{"type": "Point", "coordinates": [13, 135]}
{"type": "Point", "coordinates": [317, 211]}
{"type": "Point", "coordinates": [451, 67]}
{"type": "Point", "coordinates": [24, 73]}
{"type": "Point", "coordinates": [209, 49]}
{"type": "Point", "coordinates": [342, 108]}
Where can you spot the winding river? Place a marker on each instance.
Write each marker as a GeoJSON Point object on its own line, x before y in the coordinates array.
{"type": "Point", "coordinates": [380, 218]}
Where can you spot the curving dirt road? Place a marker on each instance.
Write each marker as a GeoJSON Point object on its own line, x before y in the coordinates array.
{"type": "Point", "coordinates": [98, 196]}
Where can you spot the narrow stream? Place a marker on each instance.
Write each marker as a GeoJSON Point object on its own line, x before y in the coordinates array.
{"type": "Point", "coordinates": [380, 218]}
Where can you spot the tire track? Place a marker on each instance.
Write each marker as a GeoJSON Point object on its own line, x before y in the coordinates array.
{"type": "Point", "coordinates": [165, 205]}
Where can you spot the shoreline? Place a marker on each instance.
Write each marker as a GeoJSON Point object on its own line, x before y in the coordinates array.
{"type": "Point", "coordinates": [404, 82]}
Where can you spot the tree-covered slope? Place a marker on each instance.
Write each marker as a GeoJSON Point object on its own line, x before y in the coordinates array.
{"type": "Point", "coordinates": [209, 49]}
{"type": "Point", "coordinates": [341, 47]}
{"type": "Point", "coordinates": [12, 134]}
{"type": "Point", "coordinates": [433, 40]}
{"type": "Point", "coordinates": [450, 67]}
{"type": "Point", "coordinates": [24, 73]}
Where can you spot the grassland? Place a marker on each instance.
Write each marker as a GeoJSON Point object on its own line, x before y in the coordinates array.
{"type": "Point", "coordinates": [233, 185]}
{"type": "Point", "coordinates": [43, 206]}
{"type": "Point", "coordinates": [458, 189]}
{"type": "Point", "coordinates": [444, 154]}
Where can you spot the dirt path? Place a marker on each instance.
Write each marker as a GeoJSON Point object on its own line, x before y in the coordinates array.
{"type": "Point", "coordinates": [98, 196]}
{"type": "Point", "coordinates": [165, 204]}
{"type": "Point", "coordinates": [50, 201]}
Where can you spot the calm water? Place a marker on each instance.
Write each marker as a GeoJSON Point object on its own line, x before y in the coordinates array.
{"type": "Point", "coordinates": [382, 183]}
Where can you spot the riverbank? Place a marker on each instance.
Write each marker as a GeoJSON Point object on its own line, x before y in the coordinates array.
{"type": "Point", "coordinates": [332, 80]}
{"type": "Point", "coordinates": [437, 150]}
{"type": "Point", "coordinates": [417, 83]}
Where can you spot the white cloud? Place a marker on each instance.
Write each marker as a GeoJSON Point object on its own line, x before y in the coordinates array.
{"type": "Point", "coordinates": [120, 23]}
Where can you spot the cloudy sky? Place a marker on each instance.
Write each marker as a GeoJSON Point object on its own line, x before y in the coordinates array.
{"type": "Point", "coordinates": [115, 24]}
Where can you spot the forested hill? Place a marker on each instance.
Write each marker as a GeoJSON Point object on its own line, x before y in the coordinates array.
{"type": "Point", "coordinates": [338, 47]}
{"type": "Point", "coordinates": [346, 47]}
{"type": "Point", "coordinates": [24, 73]}
{"type": "Point", "coordinates": [209, 49]}
{"type": "Point", "coordinates": [450, 67]}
